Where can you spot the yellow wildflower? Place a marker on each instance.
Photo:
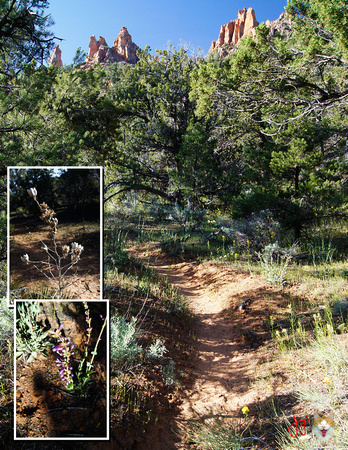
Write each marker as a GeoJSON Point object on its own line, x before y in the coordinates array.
{"type": "Point", "coordinates": [245, 410]}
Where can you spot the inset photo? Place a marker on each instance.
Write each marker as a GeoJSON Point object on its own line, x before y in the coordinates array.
{"type": "Point", "coordinates": [61, 369]}
{"type": "Point", "coordinates": [55, 233]}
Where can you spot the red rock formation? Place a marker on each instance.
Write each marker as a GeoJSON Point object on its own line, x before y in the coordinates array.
{"type": "Point", "coordinates": [123, 50]}
{"type": "Point", "coordinates": [124, 46]}
{"type": "Point", "coordinates": [95, 45]}
{"type": "Point", "coordinates": [245, 25]}
{"type": "Point", "coordinates": [55, 58]}
{"type": "Point", "coordinates": [233, 31]}
{"type": "Point", "coordinates": [281, 25]}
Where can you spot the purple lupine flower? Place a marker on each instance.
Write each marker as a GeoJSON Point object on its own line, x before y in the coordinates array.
{"type": "Point", "coordinates": [64, 351]}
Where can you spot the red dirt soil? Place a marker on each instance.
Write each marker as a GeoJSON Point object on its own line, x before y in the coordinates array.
{"type": "Point", "coordinates": [228, 353]}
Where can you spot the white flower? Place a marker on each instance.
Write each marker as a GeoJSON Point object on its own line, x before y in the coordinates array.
{"type": "Point", "coordinates": [66, 250]}
{"type": "Point", "coordinates": [32, 192]}
{"type": "Point", "coordinates": [25, 258]}
{"type": "Point", "coordinates": [76, 250]}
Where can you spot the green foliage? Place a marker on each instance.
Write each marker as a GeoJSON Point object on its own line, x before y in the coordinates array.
{"type": "Point", "coordinates": [186, 217]}
{"type": "Point", "coordinates": [218, 433]}
{"type": "Point", "coordinates": [275, 104]}
{"type": "Point", "coordinates": [168, 372]}
{"type": "Point", "coordinates": [321, 252]}
{"type": "Point", "coordinates": [275, 261]}
{"type": "Point", "coordinates": [24, 34]}
{"type": "Point", "coordinates": [25, 43]}
{"type": "Point", "coordinates": [6, 321]}
{"type": "Point", "coordinates": [30, 337]}
{"type": "Point", "coordinates": [116, 240]}
{"type": "Point", "coordinates": [172, 242]}
{"type": "Point", "coordinates": [152, 98]}
{"type": "Point", "coordinates": [79, 58]}
{"type": "Point", "coordinates": [340, 308]}
{"type": "Point", "coordinates": [123, 345]}
{"type": "Point", "coordinates": [332, 14]}
{"type": "Point", "coordinates": [126, 353]}
{"type": "Point", "coordinates": [261, 129]}
{"type": "Point", "coordinates": [85, 369]}
{"type": "Point", "coordinates": [85, 118]}
{"type": "Point", "coordinates": [3, 232]}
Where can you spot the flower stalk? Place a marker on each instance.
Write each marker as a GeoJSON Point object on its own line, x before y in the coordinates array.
{"type": "Point", "coordinates": [77, 382]}
{"type": "Point", "coordinates": [64, 349]}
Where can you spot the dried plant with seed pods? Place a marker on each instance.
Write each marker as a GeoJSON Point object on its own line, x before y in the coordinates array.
{"type": "Point", "coordinates": [59, 266]}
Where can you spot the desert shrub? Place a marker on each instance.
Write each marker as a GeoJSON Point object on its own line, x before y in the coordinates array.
{"type": "Point", "coordinates": [275, 261]}
{"type": "Point", "coordinates": [186, 217]}
{"type": "Point", "coordinates": [6, 321]}
{"type": "Point", "coordinates": [340, 308]}
{"type": "Point", "coordinates": [253, 232]}
{"type": "Point", "coordinates": [128, 208]}
{"type": "Point", "coordinates": [123, 345]}
{"type": "Point", "coordinates": [172, 242]}
{"type": "Point", "coordinates": [261, 228]}
{"type": "Point", "coordinates": [158, 211]}
{"type": "Point", "coordinates": [127, 354]}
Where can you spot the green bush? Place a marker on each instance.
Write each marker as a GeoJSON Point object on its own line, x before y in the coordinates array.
{"type": "Point", "coordinates": [123, 346]}
{"type": "Point", "coordinates": [6, 321]}
{"type": "Point", "coordinates": [172, 242]}
{"type": "Point", "coordinates": [30, 337]}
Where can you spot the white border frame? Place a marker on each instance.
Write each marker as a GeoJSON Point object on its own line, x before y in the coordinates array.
{"type": "Point", "coordinates": [101, 213]}
{"type": "Point", "coordinates": [78, 438]}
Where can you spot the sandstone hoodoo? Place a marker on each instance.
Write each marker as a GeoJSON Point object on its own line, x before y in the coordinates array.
{"type": "Point", "coordinates": [55, 58]}
{"type": "Point", "coordinates": [245, 25]}
{"type": "Point", "coordinates": [123, 50]}
{"type": "Point", "coordinates": [233, 31]}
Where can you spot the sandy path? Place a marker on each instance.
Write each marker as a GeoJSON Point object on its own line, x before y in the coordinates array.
{"type": "Point", "coordinates": [222, 368]}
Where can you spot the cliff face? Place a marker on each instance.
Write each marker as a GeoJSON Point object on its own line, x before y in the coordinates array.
{"type": "Point", "coordinates": [281, 25]}
{"type": "Point", "coordinates": [123, 50]}
{"type": "Point", "coordinates": [233, 31]}
{"type": "Point", "coordinates": [245, 25]}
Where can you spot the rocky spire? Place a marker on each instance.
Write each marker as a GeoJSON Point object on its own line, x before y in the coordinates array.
{"type": "Point", "coordinates": [233, 31]}
{"type": "Point", "coordinates": [245, 25]}
{"type": "Point", "coordinates": [123, 50]}
{"type": "Point", "coordinates": [55, 58]}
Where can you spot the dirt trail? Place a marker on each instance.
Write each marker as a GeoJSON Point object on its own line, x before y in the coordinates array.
{"type": "Point", "coordinates": [223, 366]}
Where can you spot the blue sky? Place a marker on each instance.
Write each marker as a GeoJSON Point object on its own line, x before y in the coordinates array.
{"type": "Point", "coordinates": [150, 22]}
